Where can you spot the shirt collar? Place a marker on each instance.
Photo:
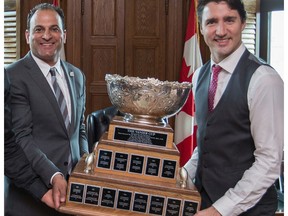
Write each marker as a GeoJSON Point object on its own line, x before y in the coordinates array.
{"type": "Point", "coordinates": [44, 67]}
{"type": "Point", "coordinates": [230, 62]}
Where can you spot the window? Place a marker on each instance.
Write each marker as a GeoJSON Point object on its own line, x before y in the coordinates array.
{"type": "Point", "coordinates": [249, 33]}
{"type": "Point", "coordinates": [269, 11]}
{"type": "Point", "coordinates": [276, 48]}
{"type": "Point", "coordinates": [11, 35]}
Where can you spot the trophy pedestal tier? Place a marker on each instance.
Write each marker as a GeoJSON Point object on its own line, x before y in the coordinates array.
{"type": "Point", "coordinates": [134, 171]}
{"type": "Point", "coordinates": [141, 133]}
{"type": "Point", "coordinates": [136, 161]}
{"type": "Point", "coordinates": [103, 194]}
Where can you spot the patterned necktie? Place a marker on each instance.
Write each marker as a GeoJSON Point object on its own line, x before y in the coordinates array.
{"type": "Point", "coordinates": [60, 98]}
{"type": "Point", "coordinates": [213, 86]}
{"type": "Point", "coordinates": [63, 107]}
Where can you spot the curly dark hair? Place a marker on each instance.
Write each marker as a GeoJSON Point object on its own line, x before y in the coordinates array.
{"type": "Point", "coordinates": [233, 4]}
{"type": "Point", "coordinates": [46, 6]}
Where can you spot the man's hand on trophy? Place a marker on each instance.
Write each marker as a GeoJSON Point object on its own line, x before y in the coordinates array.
{"type": "Point", "coordinates": [59, 189]}
{"type": "Point", "coordinates": [48, 199]}
{"type": "Point", "coordinates": [211, 211]}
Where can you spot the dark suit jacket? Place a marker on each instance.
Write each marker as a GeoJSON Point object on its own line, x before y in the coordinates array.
{"type": "Point", "coordinates": [38, 122]}
{"type": "Point", "coordinates": [16, 164]}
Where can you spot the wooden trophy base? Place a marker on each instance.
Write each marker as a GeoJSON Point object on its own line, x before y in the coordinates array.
{"type": "Point", "coordinates": [103, 194]}
{"type": "Point", "coordinates": [135, 171]}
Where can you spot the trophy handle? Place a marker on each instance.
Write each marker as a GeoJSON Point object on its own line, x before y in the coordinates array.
{"type": "Point", "coordinates": [89, 161]}
{"type": "Point", "coordinates": [183, 177]}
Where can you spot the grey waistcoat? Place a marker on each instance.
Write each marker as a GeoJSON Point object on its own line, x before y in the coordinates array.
{"type": "Point", "coordinates": [224, 140]}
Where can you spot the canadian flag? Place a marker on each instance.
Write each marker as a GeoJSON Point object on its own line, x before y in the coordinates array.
{"type": "Point", "coordinates": [185, 124]}
{"type": "Point", "coordinates": [56, 3]}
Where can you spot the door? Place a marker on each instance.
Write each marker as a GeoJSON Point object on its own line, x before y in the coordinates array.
{"type": "Point", "coordinates": [103, 48]}
{"type": "Point", "coordinates": [128, 37]}
{"type": "Point", "coordinates": [145, 27]}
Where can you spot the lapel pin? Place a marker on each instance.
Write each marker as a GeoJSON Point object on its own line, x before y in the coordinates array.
{"type": "Point", "coordinates": [71, 73]}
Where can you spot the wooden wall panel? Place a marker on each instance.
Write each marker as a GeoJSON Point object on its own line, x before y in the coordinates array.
{"type": "Point", "coordinates": [146, 15]}
{"type": "Point", "coordinates": [145, 62]}
{"type": "Point", "coordinates": [103, 61]}
{"type": "Point", "coordinates": [103, 18]}
{"type": "Point", "coordinates": [145, 39]}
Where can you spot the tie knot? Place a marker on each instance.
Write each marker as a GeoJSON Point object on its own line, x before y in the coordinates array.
{"type": "Point", "coordinates": [216, 69]}
{"type": "Point", "coordinates": [53, 71]}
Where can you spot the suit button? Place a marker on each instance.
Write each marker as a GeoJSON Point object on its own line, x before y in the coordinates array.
{"type": "Point", "coordinates": [65, 163]}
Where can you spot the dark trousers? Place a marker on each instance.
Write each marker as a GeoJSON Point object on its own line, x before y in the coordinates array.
{"type": "Point", "coordinates": [267, 206]}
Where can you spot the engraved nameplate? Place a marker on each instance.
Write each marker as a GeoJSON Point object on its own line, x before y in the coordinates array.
{"type": "Point", "coordinates": [140, 136]}
{"type": "Point", "coordinates": [124, 200]}
{"type": "Point", "coordinates": [76, 192]}
{"type": "Point", "coordinates": [189, 208]}
{"type": "Point", "coordinates": [152, 166]}
{"type": "Point", "coordinates": [156, 205]}
{"type": "Point", "coordinates": [108, 197]}
{"type": "Point", "coordinates": [120, 161]}
{"type": "Point", "coordinates": [136, 164]}
{"type": "Point", "coordinates": [173, 207]}
{"type": "Point", "coordinates": [140, 202]}
{"type": "Point", "coordinates": [169, 169]}
{"type": "Point", "coordinates": [104, 159]}
{"type": "Point", "coordinates": [92, 195]}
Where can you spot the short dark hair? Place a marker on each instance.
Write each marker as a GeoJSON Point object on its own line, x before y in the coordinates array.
{"type": "Point", "coordinates": [46, 6]}
{"type": "Point", "coordinates": [233, 4]}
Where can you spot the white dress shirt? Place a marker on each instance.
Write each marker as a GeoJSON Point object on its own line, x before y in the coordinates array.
{"type": "Point", "coordinates": [266, 105]}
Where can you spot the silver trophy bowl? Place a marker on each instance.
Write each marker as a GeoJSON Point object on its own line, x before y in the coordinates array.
{"type": "Point", "coordinates": [146, 100]}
